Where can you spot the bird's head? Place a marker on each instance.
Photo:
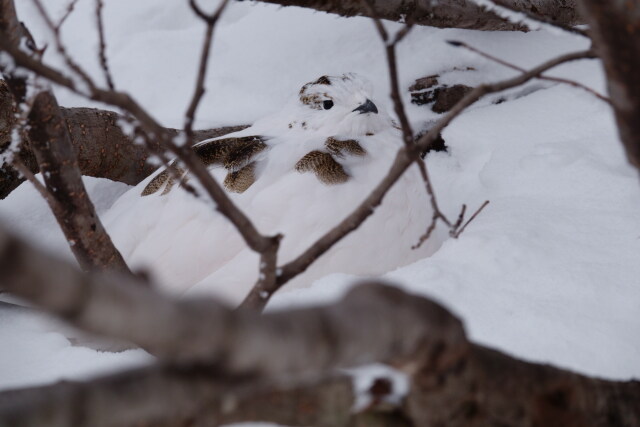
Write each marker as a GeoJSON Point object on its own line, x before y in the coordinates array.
{"type": "Point", "coordinates": [340, 105]}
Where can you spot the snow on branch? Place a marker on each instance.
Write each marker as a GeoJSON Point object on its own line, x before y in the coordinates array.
{"type": "Point", "coordinates": [519, 16]}
{"type": "Point", "coordinates": [454, 13]}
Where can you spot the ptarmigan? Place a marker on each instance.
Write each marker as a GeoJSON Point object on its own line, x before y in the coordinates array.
{"type": "Point", "coordinates": [298, 172]}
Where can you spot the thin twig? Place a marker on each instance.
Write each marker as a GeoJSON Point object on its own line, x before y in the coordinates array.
{"type": "Point", "coordinates": [102, 47]}
{"type": "Point", "coordinates": [266, 283]}
{"type": "Point", "coordinates": [67, 13]}
{"type": "Point", "coordinates": [44, 193]}
{"type": "Point", "coordinates": [437, 213]}
{"type": "Point", "coordinates": [497, 4]}
{"type": "Point", "coordinates": [457, 233]}
{"type": "Point", "coordinates": [62, 50]}
{"type": "Point", "coordinates": [390, 50]}
{"type": "Point", "coordinates": [490, 57]}
{"type": "Point", "coordinates": [179, 177]}
{"type": "Point", "coordinates": [427, 234]}
{"type": "Point", "coordinates": [460, 217]}
{"type": "Point", "coordinates": [405, 125]}
{"type": "Point", "coordinates": [199, 90]}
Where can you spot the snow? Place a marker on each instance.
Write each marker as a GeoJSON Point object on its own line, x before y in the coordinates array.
{"type": "Point", "coordinates": [548, 272]}
{"type": "Point", "coordinates": [34, 352]}
{"type": "Point", "coordinates": [27, 214]}
{"type": "Point", "coordinates": [364, 377]}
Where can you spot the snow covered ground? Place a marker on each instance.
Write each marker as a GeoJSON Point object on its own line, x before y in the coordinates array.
{"type": "Point", "coordinates": [549, 272]}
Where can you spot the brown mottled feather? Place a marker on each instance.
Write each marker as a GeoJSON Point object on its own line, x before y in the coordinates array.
{"type": "Point", "coordinates": [232, 153]}
{"type": "Point", "coordinates": [324, 166]}
{"type": "Point", "coordinates": [170, 182]}
{"type": "Point", "coordinates": [238, 181]}
{"type": "Point", "coordinates": [340, 148]}
{"type": "Point", "coordinates": [243, 154]}
{"type": "Point", "coordinates": [323, 80]}
{"type": "Point", "coordinates": [163, 177]}
{"type": "Point", "coordinates": [219, 152]}
{"type": "Point", "coordinates": [214, 152]}
{"type": "Point", "coordinates": [156, 183]}
{"type": "Point", "coordinates": [314, 100]}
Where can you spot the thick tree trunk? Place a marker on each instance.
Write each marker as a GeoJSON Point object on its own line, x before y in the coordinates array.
{"type": "Point", "coordinates": [615, 30]}
{"type": "Point", "coordinates": [489, 388]}
{"type": "Point", "coordinates": [67, 196]}
{"type": "Point", "coordinates": [445, 13]}
{"type": "Point", "coordinates": [167, 396]}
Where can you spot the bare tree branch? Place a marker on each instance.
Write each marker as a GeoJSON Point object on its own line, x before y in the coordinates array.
{"type": "Point", "coordinates": [102, 47]}
{"type": "Point", "coordinates": [173, 396]}
{"type": "Point", "coordinates": [449, 13]}
{"type": "Point", "coordinates": [40, 188]}
{"type": "Point", "coordinates": [457, 231]}
{"type": "Point", "coordinates": [267, 283]}
{"type": "Point", "coordinates": [214, 357]}
{"type": "Point", "coordinates": [9, 26]}
{"type": "Point", "coordinates": [522, 70]}
{"type": "Point", "coordinates": [614, 29]}
{"type": "Point", "coordinates": [73, 65]}
{"type": "Point", "coordinates": [405, 126]}
{"type": "Point", "coordinates": [531, 12]}
{"type": "Point", "coordinates": [199, 91]}
{"type": "Point", "coordinates": [73, 209]}
{"type": "Point", "coordinates": [67, 13]}
{"type": "Point", "coordinates": [491, 388]}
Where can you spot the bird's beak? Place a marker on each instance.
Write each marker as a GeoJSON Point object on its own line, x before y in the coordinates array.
{"type": "Point", "coordinates": [367, 107]}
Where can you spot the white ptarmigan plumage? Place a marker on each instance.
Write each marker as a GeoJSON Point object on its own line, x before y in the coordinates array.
{"type": "Point", "coordinates": [301, 171]}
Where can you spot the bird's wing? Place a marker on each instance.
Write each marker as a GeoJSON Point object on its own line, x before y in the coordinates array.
{"type": "Point", "coordinates": [342, 147]}
{"type": "Point", "coordinates": [236, 154]}
{"type": "Point", "coordinates": [326, 164]}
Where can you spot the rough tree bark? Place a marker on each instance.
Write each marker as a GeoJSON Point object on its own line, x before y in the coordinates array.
{"type": "Point", "coordinates": [158, 397]}
{"type": "Point", "coordinates": [203, 343]}
{"type": "Point", "coordinates": [67, 196]}
{"type": "Point", "coordinates": [615, 30]}
{"type": "Point", "coordinates": [446, 13]}
{"type": "Point", "coordinates": [489, 388]}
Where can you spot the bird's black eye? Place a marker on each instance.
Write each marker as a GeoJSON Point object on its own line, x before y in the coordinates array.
{"type": "Point", "coordinates": [327, 104]}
